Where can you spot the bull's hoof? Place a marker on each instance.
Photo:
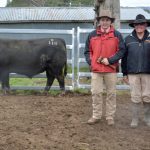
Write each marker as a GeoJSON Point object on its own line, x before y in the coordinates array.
{"type": "Point", "coordinates": [63, 93]}
{"type": "Point", "coordinates": [5, 93]}
{"type": "Point", "coordinates": [45, 93]}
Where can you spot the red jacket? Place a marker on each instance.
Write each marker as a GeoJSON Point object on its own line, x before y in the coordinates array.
{"type": "Point", "coordinates": [103, 45]}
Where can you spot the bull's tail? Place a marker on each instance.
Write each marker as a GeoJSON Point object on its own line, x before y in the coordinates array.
{"type": "Point", "coordinates": [65, 69]}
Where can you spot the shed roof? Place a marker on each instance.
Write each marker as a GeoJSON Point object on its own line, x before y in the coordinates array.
{"type": "Point", "coordinates": [129, 13]}
{"type": "Point", "coordinates": [46, 14]}
{"type": "Point", "coordinates": [63, 14]}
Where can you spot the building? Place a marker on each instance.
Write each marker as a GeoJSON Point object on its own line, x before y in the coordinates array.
{"type": "Point", "coordinates": [59, 17]}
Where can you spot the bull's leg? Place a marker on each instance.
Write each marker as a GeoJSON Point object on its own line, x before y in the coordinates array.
{"type": "Point", "coordinates": [5, 83]}
{"type": "Point", "coordinates": [50, 80]}
{"type": "Point", "coordinates": [61, 81]}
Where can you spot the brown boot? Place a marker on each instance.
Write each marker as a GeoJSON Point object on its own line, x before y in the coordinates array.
{"type": "Point", "coordinates": [92, 121]}
{"type": "Point", "coordinates": [135, 115]}
{"type": "Point", "coordinates": [147, 113]}
{"type": "Point", "coordinates": [110, 122]}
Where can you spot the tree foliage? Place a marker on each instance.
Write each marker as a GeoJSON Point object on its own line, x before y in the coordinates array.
{"type": "Point", "coordinates": [50, 3]}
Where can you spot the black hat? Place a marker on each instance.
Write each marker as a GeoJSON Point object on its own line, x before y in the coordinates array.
{"type": "Point", "coordinates": [139, 19]}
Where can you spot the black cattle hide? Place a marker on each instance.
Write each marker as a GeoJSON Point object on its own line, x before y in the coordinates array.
{"type": "Point", "coordinates": [31, 57]}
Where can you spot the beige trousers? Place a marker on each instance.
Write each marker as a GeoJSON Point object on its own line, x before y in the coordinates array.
{"type": "Point", "coordinates": [97, 86]}
{"type": "Point", "coordinates": [140, 87]}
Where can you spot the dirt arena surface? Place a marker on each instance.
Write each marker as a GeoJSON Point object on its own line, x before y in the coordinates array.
{"type": "Point", "coordinates": [36, 122]}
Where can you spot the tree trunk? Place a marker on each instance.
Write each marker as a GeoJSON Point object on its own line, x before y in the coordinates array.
{"type": "Point", "coordinates": [112, 5]}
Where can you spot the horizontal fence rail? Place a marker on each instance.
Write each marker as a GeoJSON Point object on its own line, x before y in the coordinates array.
{"type": "Point", "coordinates": [43, 75]}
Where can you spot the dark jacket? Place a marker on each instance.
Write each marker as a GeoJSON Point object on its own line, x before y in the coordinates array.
{"type": "Point", "coordinates": [109, 45]}
{"type": "Point", "coordinates": [137, 57]}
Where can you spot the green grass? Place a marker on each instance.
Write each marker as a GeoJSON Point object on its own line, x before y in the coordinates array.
{"type": "Point", "coordinates": [28, 82]}
{"type": "Point", "coordinates": [82, 91]}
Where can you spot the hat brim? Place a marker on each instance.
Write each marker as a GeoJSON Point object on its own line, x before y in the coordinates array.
{"type": "Point", "coordinates": [112, 19]}
{"type": "Point", "coordinates": [133, 23]}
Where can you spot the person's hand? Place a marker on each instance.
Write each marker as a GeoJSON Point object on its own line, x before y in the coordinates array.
{"type": "Point", "coordinates": [125, 79]}
{"type": "Point", "coordinates": [105, 61]}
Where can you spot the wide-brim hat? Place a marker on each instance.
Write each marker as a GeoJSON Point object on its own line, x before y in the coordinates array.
{"type": "Point", "coordinates": [139, 19]}
{"type": "Point", "coordinates": [107, 14]}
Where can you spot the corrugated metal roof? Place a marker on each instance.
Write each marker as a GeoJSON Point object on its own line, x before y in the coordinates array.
{"type": "Point", "coordinates": [130, 13]}
{"type": "Point", "coordinates": [63, 14]}
{"type": "Point", "coordinates": [46, 14]}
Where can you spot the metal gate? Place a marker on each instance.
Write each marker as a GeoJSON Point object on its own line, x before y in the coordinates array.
{"type": "Point", "coordinates": [70, 47]}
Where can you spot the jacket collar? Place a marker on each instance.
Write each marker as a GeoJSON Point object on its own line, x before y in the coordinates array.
{"type": "Point", "coordinates": [100, 32]}
{"type": "Point", "coordinates": [146, 35]}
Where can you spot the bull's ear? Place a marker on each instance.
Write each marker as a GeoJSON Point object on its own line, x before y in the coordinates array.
{"type": "Point", "coordinates": [44, 57]}
{"type": "Point", "coordinates": [43, 60]}
{"type": "Point", "coordinates": [47, 58]}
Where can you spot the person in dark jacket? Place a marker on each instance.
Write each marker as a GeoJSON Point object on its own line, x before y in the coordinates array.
{"type": "Point", "coordinates": [136, 68]}
{"type": "Point", "coordinates": [104, 42]}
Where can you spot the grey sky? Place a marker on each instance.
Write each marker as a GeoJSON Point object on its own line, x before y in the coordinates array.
{"type": "Point", "coordinates": [2, 3]}
{"type": "Point", "coordinates": [134, 3]}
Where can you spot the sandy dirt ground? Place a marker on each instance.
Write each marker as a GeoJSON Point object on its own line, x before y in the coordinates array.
{"type": "Point", "coordinates": [37, 122]}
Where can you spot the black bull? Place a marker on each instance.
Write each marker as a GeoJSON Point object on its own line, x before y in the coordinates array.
{"type": "Point", "coordinates": [31, 57]}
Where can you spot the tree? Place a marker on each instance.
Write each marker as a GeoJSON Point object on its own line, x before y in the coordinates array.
{"type": "Point", "coordinates": [112, 5]}
{"type": "Point", "coordinates": [50, 3]}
